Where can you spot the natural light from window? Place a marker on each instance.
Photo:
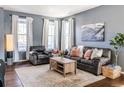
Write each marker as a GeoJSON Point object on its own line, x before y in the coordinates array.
{"type": "Point", "coordinates": [66, 34]}
{"type": "Point", "coordinates": [51, 35]}
{"type": "Point", "coordinates": [22, 34]}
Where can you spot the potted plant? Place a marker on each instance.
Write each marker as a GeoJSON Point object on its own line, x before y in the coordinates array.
{"type": "Point", "coordinates": [117, 42]}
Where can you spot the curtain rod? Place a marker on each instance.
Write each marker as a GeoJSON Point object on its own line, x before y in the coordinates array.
{"type": "Point", "coordinates": [18, 15]}
{"type": "Point", "coordinates": [41, 17]}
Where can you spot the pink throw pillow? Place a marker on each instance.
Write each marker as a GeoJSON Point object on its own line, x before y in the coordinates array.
{"type": "Point", "coordinates": [87, 54]}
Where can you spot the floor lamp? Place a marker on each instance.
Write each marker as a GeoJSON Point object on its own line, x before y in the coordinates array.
{"type": "Point", "coordinates": [9, 48]}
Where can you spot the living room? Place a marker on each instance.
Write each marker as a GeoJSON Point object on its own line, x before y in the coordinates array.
{"type": "Point", "coordinates": [85, 41]}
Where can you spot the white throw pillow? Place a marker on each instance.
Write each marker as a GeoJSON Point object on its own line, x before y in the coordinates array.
{"type": "Point", "coordinates": [96, 53]}
{"type": "Point", "coordinates": [81, 50]}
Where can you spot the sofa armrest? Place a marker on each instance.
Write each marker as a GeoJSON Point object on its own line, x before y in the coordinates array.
{"type": "Point", "coordinates": [32, 55]}
{"type": "Point", "coordinates": [2, 72]}
{"type": "Point", "coordinates": [99, 62]}
{"type": "Point", "coordinates": [102, 60]}
{"type": "Point", "coordinates": [49, 53]}
{"type": "Point", "coordinates": [2, 67]}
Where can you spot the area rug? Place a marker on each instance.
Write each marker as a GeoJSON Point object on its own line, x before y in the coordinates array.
{"type": "Point", "coordinates": [41, 76]}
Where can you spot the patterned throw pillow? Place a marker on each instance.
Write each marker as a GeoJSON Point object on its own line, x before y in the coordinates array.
{"type": "Point", "coordinates": [87, 54]}
{"type": "Point", "coordinates": [75, 52]}
{"type": "Point", "coordinates": [96, 53]}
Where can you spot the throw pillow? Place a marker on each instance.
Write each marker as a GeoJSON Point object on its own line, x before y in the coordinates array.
{"type": "Point", "coordinates": [96, 53]}
{"type": "Point", "coordinates": [87, 54]}
{"type": "Point", "coordinates": [81, 50]}
{"type": "Point", "coordinates": [75, 52]}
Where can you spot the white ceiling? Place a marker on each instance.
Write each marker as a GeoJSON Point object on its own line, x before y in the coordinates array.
{"type": "Point", "coordinates": [49, 10]}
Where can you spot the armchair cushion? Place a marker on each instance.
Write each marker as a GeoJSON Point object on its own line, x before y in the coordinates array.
{"type": "Point", "coordinates": [42, 56]}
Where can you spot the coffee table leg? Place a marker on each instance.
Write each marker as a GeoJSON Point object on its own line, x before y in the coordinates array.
{"type": "Point", "coordinates": [50, 65]}
{"type": "Point", "coordinates": [64, 71]}
{"type": "Point", "coordinates": [64, 75]}
{"type": "Point", "coordinates": [75, 67]}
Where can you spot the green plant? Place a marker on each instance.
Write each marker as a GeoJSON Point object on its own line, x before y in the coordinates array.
{"type": "Point", "coordinates": [117, 42]}
{"type": "Point", "coordinates": [61, 54]}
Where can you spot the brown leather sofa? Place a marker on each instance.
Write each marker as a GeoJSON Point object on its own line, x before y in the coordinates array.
{"type": "Point", "coordinates": [2, 73]}
{"type": "Point", "coordinates": [95, 65]}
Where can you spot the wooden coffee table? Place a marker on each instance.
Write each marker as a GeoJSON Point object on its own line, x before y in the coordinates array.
{"type": "Point", "coordinates": [63, 65]}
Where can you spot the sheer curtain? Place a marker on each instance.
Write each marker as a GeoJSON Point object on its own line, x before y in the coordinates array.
{"type": "Point", "coordinates": [63, 35]}
{"type": "Point", "coordinates": [70, 33]}
{"type": "Point", "coordinates": [45, 33]}
{"type": "Point", "coordinates": [29, 35]}
{"type": "Point", "coordinates": [56, 34]}
{"type": "Point", "coordinates": [14, 32]}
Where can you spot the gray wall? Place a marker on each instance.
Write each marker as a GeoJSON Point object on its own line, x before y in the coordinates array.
{"type": "Point", "coordinates": [1, 33]}
{"type": "Point", "coordinates": [6, 26]}
{"type": "Point", "coordinates": [37, 24]}
{"type": "Point", "coordinates": [112, 16]}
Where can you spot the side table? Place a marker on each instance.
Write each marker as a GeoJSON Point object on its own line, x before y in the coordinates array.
{"type": "Point", "coordinates": [111, 71]}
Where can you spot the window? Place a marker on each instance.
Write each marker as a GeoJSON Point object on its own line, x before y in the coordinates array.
{"type": "Point", "coordinates": [67, 35]}
{"type": "Point", "coordinates": [51, 35]}
{"type": "Point", "coordinates": [22, 34]}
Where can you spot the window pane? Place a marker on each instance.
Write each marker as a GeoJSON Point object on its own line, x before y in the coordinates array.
{"type": "Point", "coordinates": [51, 35]}
{"type": "Point", "coordinates": [22, 28]}
{"type": "Point", "coordinates": [22, 39]}
{"type": "Point", "coordinates": [22, 34]}
{"type": "Point", "coordinates": [66, 35]}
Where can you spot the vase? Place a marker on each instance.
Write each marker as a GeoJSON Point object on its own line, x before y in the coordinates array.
{"type": "Point", "coordinates": [116, 57]}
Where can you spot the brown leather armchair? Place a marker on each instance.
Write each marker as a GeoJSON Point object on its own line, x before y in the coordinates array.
{"type": "Point", "coordinates": [38, 55]}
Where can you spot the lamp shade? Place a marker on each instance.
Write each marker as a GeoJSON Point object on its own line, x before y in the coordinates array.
{"type": "Point", "coordinates": [9, 42]}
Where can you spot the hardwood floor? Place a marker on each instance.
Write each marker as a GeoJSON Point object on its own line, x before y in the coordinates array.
{"type": "Point", "coordinates": [12, 79]}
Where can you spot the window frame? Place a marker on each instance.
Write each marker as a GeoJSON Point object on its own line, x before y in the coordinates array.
{"type": "Point", "coordinates": [52, 35]}
{"type": "Point", "coordinates": [67, 34]}
{"type": "Point", "coordinates": [23, 22]}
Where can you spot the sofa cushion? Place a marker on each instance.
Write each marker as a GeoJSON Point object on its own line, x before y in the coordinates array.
{"type": "Point", "coordinates": [97, 53]}
{"type": "Point", "coordinates": [42, 56]}
{"type": "Point", "coordinates": [103, 60]}
{"type": "Point", "coordinates": [84, 61]}
{"type": "Point", "coordinates": [75, 58]}
{"type": "Point", "coordinates": [87, 54]}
